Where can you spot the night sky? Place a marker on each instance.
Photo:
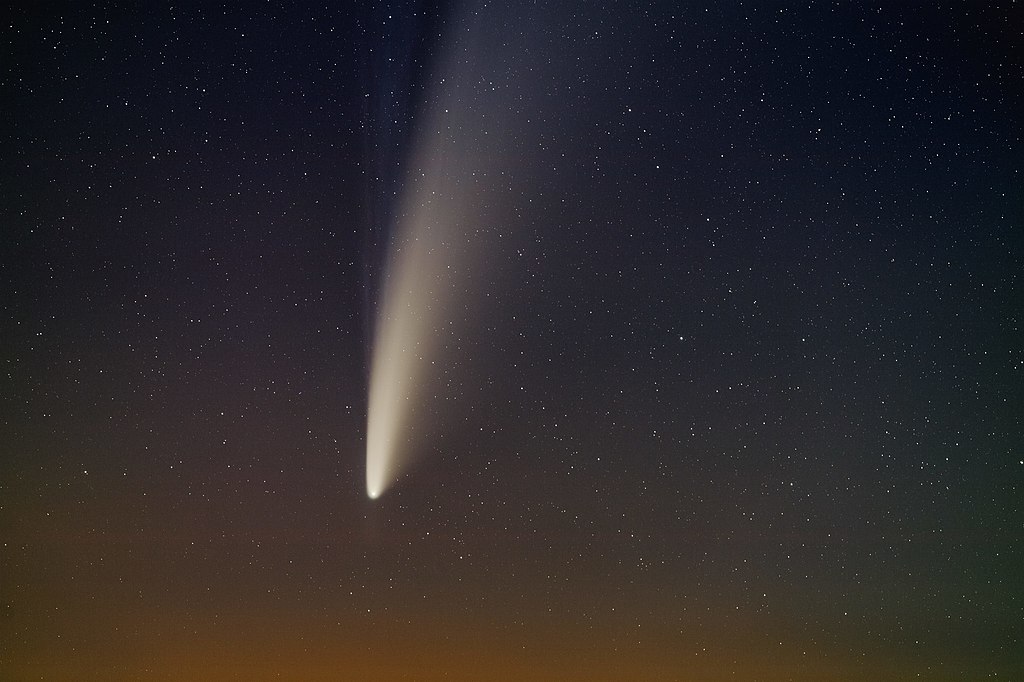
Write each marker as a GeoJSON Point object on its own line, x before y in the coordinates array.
{"type": "Point", "coordinates": [726, 381]}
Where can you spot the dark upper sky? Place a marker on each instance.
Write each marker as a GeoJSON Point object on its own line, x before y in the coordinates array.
{"type": "Point", "coordinates": [734, 391]}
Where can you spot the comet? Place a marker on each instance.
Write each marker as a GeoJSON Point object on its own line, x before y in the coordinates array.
{"type": "Point", "coordinates": [428, 256]}
{"type": "Point", "coordinates": [402, 341]}
{"type": "Point", "coordinates": [448, 233]}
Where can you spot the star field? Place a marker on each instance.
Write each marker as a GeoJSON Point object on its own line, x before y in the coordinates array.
{"type": "Point", "coordinates": [721, 378]}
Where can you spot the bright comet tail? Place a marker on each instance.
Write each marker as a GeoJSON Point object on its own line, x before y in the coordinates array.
{"type": "Point", "coordinates": [402, 335]}
{"type": "Point", "coordinates": [459, 188]}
